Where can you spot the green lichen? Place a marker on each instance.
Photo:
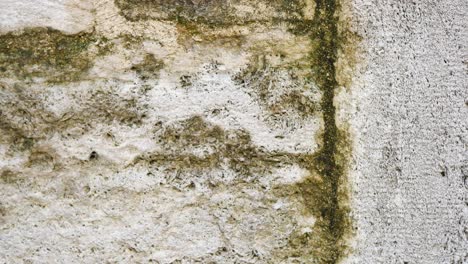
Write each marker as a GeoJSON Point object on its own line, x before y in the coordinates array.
{"type": "Point", "coordinates": [40, 158]}
{"type": "Point", "coordinates": [131, 41]}
{"type": "Point", "coordinates": [47, 53]}
{"type": "Point", "coordinates": [210, 12]}
{"type": "Point", "coordinates": [326, 195]}
{"type": "Point", "coordinates": [25, 117]}
{"type": "Point", "coordinates": [148, 68]}
{"type": "Point", "coordinates": [8, 177]}
{"type": "Point", "coordinates": [226, 148]}
{"type": "Point", "coordinates": [209, 20]}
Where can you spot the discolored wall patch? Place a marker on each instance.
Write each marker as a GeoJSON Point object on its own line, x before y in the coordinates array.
{"type": "Point", "coordinates": [207, 125]}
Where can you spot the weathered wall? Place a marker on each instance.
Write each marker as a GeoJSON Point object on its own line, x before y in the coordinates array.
{"type": "Point", "coordinates": [240, 131]}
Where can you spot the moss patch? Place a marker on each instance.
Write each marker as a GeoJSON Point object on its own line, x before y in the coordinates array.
{"type": "Point", "coordinates": [217, 148]}
{"type": "Point", "coordinates": [25, 117]}
{"type": "Point", "coordinates": [195, 145]}
{"type": "Point", "coordinates": [211, 12]}
{"type": "Point", "coordinates": [208, 11]}
{"type": "Point", "coordinates": [47, 53]}
{"type": "Point", "coordinates": [148, 68]}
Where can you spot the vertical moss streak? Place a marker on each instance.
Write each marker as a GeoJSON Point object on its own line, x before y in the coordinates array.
{"type": "Point", "coordinates": [332, 211]}
{"type": "Point", "coordinates": [325, 75]}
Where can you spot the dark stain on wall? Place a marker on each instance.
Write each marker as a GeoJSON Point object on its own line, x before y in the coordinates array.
{"type": "Point", "coordinates": [46, 53]}
{"type": "Point", "coordinates": [327, 194]}
{"type": "Point", "coordinates": [209, 12]}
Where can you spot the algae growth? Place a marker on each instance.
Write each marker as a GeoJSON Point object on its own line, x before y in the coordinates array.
{"type": "Point", "coordinates": [327, 194]}
{"type": "Point", "coordinates": [47, 53]}
{"type": "Point", "coordinates": [209, 12]}
{"type": "Point", "coordinates": [221, 148]}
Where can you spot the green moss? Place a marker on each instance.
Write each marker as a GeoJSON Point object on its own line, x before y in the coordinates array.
{"type": "Point", "coordinates": [213, 13]}
{"type": "Point", "coordinates": [47, 53]}
{"type": "Point", "coordinates": [295, 101]}
{"type": "Point", "coordinates": [293, 9]}
{"type": "Point", "coordinates": [232, 148]}
{"type": "Point", "coordinates": [148, 68]}
{"type": "Point", "coordinates": [40, 158]}
{"type": "Point", "coordinates": [25, 118]}
{"type": "Point", "coordinates": [131, 41]}
{"type": "Point", "coordinates": [23, 143]}
{"type": "Point", "coordinates": [8, 177]}
{"type": "Point", "coordinates": [208, 11]}
{"type": "Point", "coordinates": [106, 106]}
{"type": "Point", "coordinates": [326, 195]}
{"type": "Point", "coordinates": [266, 81]}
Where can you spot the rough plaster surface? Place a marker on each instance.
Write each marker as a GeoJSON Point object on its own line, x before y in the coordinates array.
{"type": "Point", "coordinates": [156, 152]}
{"type": "Point", "coordinates": [410, 118]}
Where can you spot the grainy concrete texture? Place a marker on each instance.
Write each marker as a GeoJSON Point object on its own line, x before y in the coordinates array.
{"type": "Point", "coordinates": [234, 131]}
{"type": "Point", "coordinates": [410, 117]}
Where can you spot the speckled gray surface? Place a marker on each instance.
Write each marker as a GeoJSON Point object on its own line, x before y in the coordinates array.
{"type": "Point", "coordinates": [411, 123]}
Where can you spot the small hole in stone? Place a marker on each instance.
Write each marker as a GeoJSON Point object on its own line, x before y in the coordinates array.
{"type": "Point", "coordinates": [93, 155]}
